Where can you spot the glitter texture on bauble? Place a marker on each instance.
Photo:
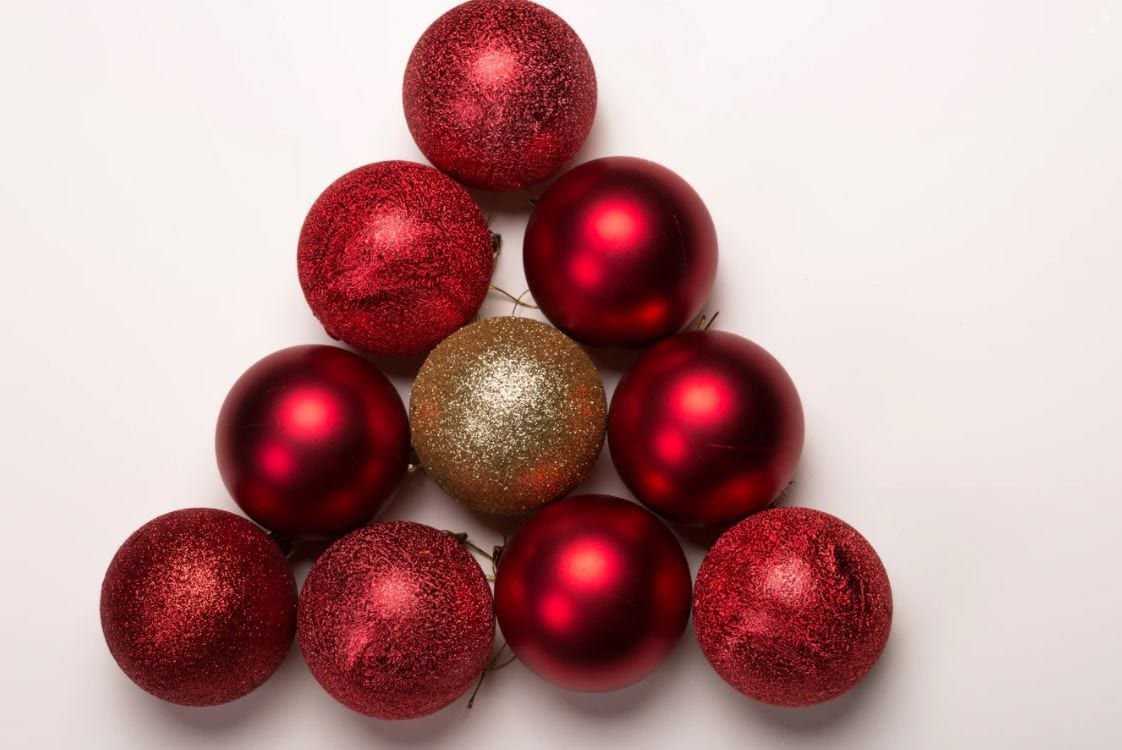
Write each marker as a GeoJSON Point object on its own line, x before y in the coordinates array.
{"type": "Point", "coordinates": [792, 607]}
{"type": "Point", "coordinates": [198, 607]}
{"type": "Point", "coordinates": [507, 415]}
{"type": "Point", "coordinates": [499, 93]}
{"type": "Point", "coordinates": [396, 620]}
{"type": "Point", "coordinates": [393, 257]}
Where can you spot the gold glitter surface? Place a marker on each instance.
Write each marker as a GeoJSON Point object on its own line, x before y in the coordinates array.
{"type": "Point", "coordinates": [507, 414]}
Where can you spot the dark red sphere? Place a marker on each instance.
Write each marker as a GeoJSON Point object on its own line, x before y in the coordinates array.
{"type": "Point", "coordinates": [311, 441]}
{"type": "Point", "coordinates": [499, 93]}
{"type": "Point", "coordinates": [706, 428]}
{"type": "Point", "coordinates": [396, 620]}
{"type": "Point", "coordinates": [198, 607]}
{"type": "Point", "coordinates": [394, 257]}
{"type": "Point", "coordinates": [792, 607]}
{"type": "Point", "coordinates": [620, 252]}
{"type": "Point", "coordinates": [593, 593]}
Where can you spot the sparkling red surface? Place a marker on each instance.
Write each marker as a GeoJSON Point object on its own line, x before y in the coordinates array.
{"type": "Point", "coordinates": [706, 428]}
{"type": "Point", "coordinates": [393, 257]}
{"type": "Point", "coordinates": [792, 607]}
{"type": "Point", "coordinates": [620, 252]}
{"type": "Point", "coordinates": [396, 620]}
{"type": "Point", "coordinates": [499, 93]}
{"type": "Point", "coordinates": [198, 607]}
{"type": "Point", "coordinates": [593, 593]}
{"type": "Point", "coordinates": [311, 441]}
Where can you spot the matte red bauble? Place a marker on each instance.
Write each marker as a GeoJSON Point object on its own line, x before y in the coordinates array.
{"type": "Point", "coordinates": [393, 257]}
{"type": "Point", "coordinates": [396, 620]}
{"type": "Point", "coordinates": [620, 252]}
{"type": "Point", "coordinates": [792, 607]}
{"type": "Point", "coordinates": [499, 93]}
{"type": "Point", "coordinates": [311, 441]}
{"type": "Point", "coordinates": [706, 428]}
{"type": "Point", "coordinates": [198, 607]}
{"type": "Point", "coordinates": [592, 593]}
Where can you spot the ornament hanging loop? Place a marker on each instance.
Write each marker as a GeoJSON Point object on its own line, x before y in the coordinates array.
{"type": "Point", "coordinates": [704, 323]}
{"type": "Point", "coordinates": [492, 666]}
{"type": "Point", "coordinates": [516, 300]}
{"type": "Point", "coordinates": [462, 538]}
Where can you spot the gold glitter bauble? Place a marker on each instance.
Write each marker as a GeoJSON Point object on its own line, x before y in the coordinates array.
{"type": "Point", "coordinates": [507, 414]}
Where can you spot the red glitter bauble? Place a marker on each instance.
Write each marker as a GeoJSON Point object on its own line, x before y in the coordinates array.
{"type": "Point", "coordinates": [706, 428]}
{"type": "Point", "coordinates": [620, 252]}
{"type": "Point", "coordinates": [198, 607]}
{"type": "Point", "coordinates": [792, 607]}
{"type": "Point", "coordinates": [499, 93]}
{"type": "Point", "coordinates": [311, 441]}
{"type": "Point", "coordinates": [593, 593]}
{"type": "Point", "coordinates": [396, 620]}
{"type": "Point", "coordinates": [393, 257]}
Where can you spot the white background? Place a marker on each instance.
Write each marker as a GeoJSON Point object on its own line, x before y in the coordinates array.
{"type": "Point", "coordinates": [920, 213]}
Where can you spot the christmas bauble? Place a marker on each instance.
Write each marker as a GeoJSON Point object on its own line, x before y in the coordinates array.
{"type": "Point", "coordinates": [396, 620]}
{"type": "Point", "coordinates": [507, 415]}
{"type": "Point", "coordinates": [499, 93]}
{"type": "Point", "coordinates": [792, 607]}
{"type": "Point", "coordinates": [198, 607]}
{"type": "Point", "coordinates": [706, 428]}
{"type": "Point", "coordinates": [393, 257]}
{"type": "Point", "coordinates": [592, 593]}
{"type": "Point", "coordinates": [311, 441]}
{"type": "Point", "coordinates": [620, 252]}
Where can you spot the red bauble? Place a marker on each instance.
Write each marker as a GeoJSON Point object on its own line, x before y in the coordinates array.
{"type": "Point", "coordinates": [792, 607]}
{"type": "Point", "coordinates": [198, 607]}
{"type": "Point", "coordinates": [706, 428]}
{"type": "Point", "coordinates": [593, 593]}
{"type": "Point", "coordinates": [396, 620]}
{"type": "Point", "coordinates": [393, 257]}
{"type": "Point", "coordinates": [620, 252]}
{"type": "Point", "coordinates": [499, 93]}
{"type": "Point", "coordinates": [311, 441]}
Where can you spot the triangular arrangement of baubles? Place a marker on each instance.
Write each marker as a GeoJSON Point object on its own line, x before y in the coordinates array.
{"type": "Point", "coordinates": [396, 620]}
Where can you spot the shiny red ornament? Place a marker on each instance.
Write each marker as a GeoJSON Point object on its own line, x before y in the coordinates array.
{"type": "Point", "coordinates": [706, 428]}
{"type": "Point", "coordinates": [198, 607]}
{"type": "Point", "coordinates": [620, 252]}
{"type": "Point", "coordinates": [393, 257]}
{"type": "Point", "coordinates": [311, 441]}
{"type": "Point", "coordinates": [592, 593]}
{"type": "Point", "coordinates": [792, 607]}
{"type": "Point", "coordinates": [396, 620]}
{"type": "Point", "coordinates": [499, 93]}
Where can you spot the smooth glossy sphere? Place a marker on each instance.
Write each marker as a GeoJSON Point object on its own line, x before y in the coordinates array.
{"type": "Point", "coordinates": [393, 257]}
{"type": "Point", "coordinates": [198, 607]}
{"type": "Point", "coordinates": [706, 428]}
{"type": "Point", "coordinates": [499, 93]}
{"type": "Point", "coordinates": [620, 252]}
{"type": "Point", "coordinates": [396, 620]}
{"type": "Point", "coordinates": [311, 441]}
{"type": "Point", "coordinates": [792, 607]}
{"type": "Point", "coordinates": [508, 414]}
{"type": "Point", "coordinates": [593, 593]}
